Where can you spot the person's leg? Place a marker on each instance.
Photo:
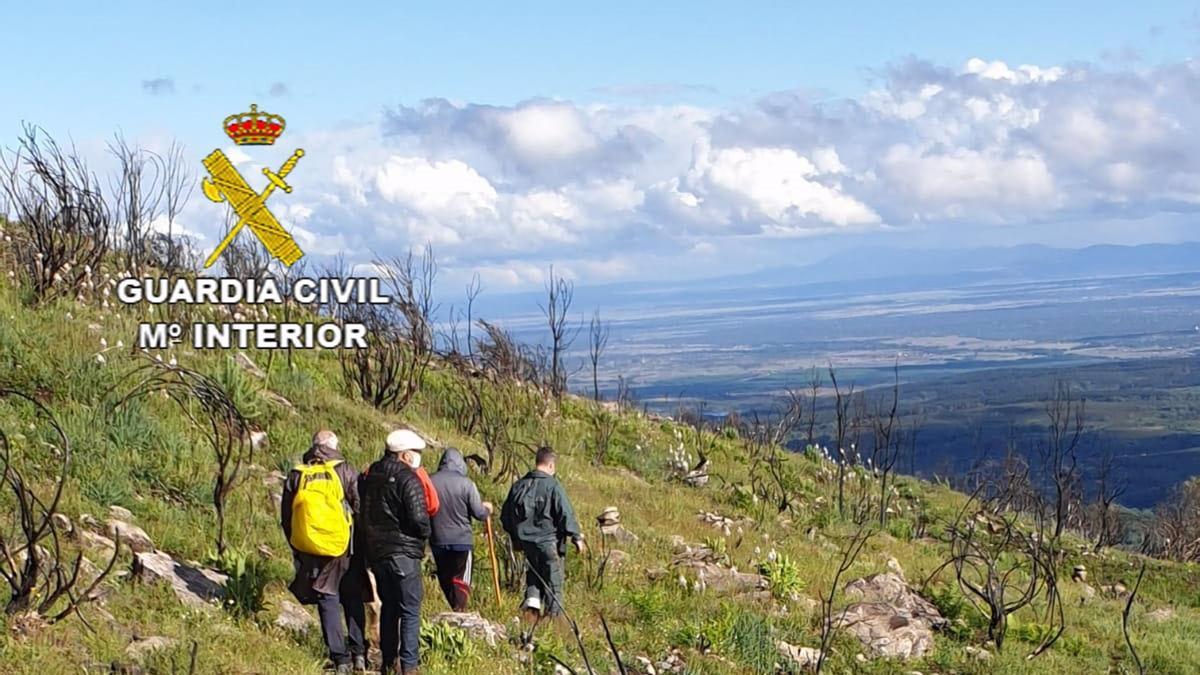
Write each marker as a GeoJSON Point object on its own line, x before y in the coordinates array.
{"type": "Point", "coordinates": [411, 592]}
{"type": "Point", "coordinates": [443, 560]}
{"type": "Point", "coordinates": [351, 596]}
{"type": "Point", "coordinates": [552, 565]}
{"type": "Point", "coordinates": [462, 580]}
{"type": "Point", "coordinates": [330, 613]}
{"type": "Point", "coordinates": [533, 584]}
{"type": "Point", "coordinates": [389, 612]}
{"type": "Point", "coordinates": [454, 576]}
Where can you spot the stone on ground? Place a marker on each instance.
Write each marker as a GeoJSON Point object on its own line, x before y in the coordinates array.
{"type": "Point", "coordinates": [195, 587]}
{"type": "Point", "coordinates": [476, 626]}
{"type": "Point", "coordinates": [120, 513]}
{"type": "Point", "coordinates": [140, 649]}
{"type": "Point", "coordinates": [131, 535]}
{"type": "Point", "coordinates": [802, 658]}
{"type": "Point", "coordinates": [294, 618]}
{"type": "Point", "coordinates": [889, 619]}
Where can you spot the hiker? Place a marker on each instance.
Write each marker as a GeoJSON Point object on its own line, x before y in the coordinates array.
{"type": "Point", "coordinates": [452, 540]}
{"type": "Point", "coordinates": [538, 517]}
{"type": "Point", "coordinates": [395, 525]}
{"type": "Point", "coordinates": [320, 499]}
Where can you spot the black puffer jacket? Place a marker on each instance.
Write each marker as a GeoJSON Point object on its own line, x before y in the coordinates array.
{"type": "Point", "coordinates": [393, 518]}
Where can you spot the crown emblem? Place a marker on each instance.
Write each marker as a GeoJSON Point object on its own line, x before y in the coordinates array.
{"type": "Point", "coordinates": [254, 127]}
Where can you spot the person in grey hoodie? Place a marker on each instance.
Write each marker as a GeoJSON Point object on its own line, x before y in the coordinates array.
{"type": "Point", "coordinates": [452, 540]}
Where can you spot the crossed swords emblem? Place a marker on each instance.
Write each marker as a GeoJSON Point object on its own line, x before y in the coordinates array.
{"type": "Point", "coordinates": [225, 184]}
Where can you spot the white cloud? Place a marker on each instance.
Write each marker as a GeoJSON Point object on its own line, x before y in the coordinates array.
{"type": "Point", "coordinates": [550, 131]}
{"type": "Point", "coordinates": [449, 189]}
{"type": "Point", "coordinates": [510, 189]}
{"type": "Point", "coordinates": [777, 185]}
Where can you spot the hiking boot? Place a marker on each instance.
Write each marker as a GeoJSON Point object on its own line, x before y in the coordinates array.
{"type": "Point", "coordinates": [359, 663]}
{"type": "Point", "coordinates": [342, 669]}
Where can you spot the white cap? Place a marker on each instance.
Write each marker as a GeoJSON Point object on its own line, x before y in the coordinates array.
{"type": "Point", "coordinates": [403, 440]}
{"type": "Point", "coordinates": [325, 438]}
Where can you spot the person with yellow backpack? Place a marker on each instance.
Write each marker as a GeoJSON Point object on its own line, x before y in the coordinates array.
{"type": "Point", "coordinates": [320, 500]}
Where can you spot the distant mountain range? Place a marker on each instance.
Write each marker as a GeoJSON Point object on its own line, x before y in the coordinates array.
{"type": "Point", "coordinates": [878, 269]}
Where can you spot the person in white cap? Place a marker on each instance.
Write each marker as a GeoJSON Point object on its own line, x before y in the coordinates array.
{"type": "Point", "coordinates": [395, 526]}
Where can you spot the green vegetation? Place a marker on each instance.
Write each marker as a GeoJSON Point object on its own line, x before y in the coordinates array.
{"type": "Point", "coordinates": [149, 457]}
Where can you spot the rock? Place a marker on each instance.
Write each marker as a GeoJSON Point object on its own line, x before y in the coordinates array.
{"type": "Point", "coordinates": [978, 654]}
{"type": "Point", "coordinates": [656, 573]}
{"type": "Point", "coordinates": [94, 541]}
{"type": "Point", "coordinates": [475, 626]}
{"type": "Point", "coordinates": [1161, 614]}
{"type": "Point", "coordinates": [195, 587]}
{"type": "Point", "coordinates": [138, 650]}
{"type": "Point", "coordinates": [294, 618]}
{"type": "Point", "coordinates": [248, 365]}
{"type": "Point", "coordinates": [120, 513]}
{"type": "Point", "coordinates": [722, 523]}
{"type": "Point", "coordinates": [1086, 594]}
{"type": "Point", "coordinates": [803, 658]}
{"type": "Point", "coordinates": [131, 535]}
{"type": "Point", "coordinates": [86, 520]}
{"type": "Point", "coordinates": [609, 516]}
{"type": "Point", "coordinates": [63, 523]}
{"type": "Point", "coordinates": [890, 620]}
{"type": "Point", "coordinates": [276, 399]}
{"type": "Point", "coordinates": [728, 581]}
{"type": "Point", "coordinates": [616, 558]}
{"type": "Point", "coordinates": [619, 534]}
{"type": "Point", "coordinates": [672, 663]}
{"type": "Point", "coordinates": [1079, 574]}
{"type": "Point", "coordinates": [677, 542]}
{"type": "Point", "coordinates": [893, 565]}
{"type": "Point", "coordinates": [695, 555]}
{"type": "Point", "coordinates": [1116, 590]}
{"type": "Point", "coordinates": [258, 439]}
{"type": "Point", "coordinates": [891, 589]}
{"type": "Point", "coordinates": [644, 665]}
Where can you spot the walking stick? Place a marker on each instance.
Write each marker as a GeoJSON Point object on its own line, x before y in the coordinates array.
{"type": "Point", "coordinates": [495, 566]}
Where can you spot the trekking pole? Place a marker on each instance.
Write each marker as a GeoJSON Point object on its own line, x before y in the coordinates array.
{"type": "Point", "coordinates": [495, 565]}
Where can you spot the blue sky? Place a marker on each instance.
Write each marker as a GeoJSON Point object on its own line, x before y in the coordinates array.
{"type": "Point", "coordinates": [640, 139]}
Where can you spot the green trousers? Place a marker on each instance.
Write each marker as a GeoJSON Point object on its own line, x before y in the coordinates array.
{"type": "Point", "coordinates": [543, 577]}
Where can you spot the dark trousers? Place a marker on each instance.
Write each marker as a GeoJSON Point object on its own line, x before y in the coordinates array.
{"type": "Point", "coordinates": [454, 575]}
{"type": "Point", "coordinates": [343, 645]}
{"type": "Point", "coordinates": [398, 581]}
{"type": "Point", "coordinates": [543, 577]}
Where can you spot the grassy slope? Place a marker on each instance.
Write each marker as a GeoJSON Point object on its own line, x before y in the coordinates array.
{"type": "Point", "coordinates": [149, 461]}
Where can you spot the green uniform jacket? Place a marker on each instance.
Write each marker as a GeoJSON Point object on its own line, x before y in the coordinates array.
{"type": "Point", "coordinates": [537, 511]}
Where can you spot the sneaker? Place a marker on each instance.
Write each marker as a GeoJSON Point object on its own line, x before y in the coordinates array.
{"type": "Point", "coordinates": [360, 664]}
{"type": "Point", "coordinates": [342, 669]}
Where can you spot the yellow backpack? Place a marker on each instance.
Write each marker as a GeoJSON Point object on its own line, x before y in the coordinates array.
{"type": "Point", "coordinates": [321, 517]}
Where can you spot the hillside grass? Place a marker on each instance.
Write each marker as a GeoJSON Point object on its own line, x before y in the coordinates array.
{"type": "Point", "coordinates": [149, 460]}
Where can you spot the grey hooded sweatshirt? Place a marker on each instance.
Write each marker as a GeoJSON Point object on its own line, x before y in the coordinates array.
{"type": "Point", "coordinates": [459, 500]}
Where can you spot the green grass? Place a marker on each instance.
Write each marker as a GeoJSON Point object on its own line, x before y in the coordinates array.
{"type": "Point", "coordinates": [148, 458]}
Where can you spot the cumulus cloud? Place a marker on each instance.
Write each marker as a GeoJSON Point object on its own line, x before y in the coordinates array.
{"type": "Point", "coordinates": [641, 189]}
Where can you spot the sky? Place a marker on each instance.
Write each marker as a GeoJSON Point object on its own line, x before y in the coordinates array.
{"type": "Point", "coordinates": [629, 141]}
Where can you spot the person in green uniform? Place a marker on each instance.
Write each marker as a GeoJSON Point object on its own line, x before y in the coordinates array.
{"type": "Point", "coordinates": [539, 519]}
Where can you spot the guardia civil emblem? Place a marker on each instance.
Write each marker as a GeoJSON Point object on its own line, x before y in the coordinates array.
{"type": "Point", "coordinates": [225, 184]}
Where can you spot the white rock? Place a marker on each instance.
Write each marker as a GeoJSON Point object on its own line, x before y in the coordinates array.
{"type": "Point", "coordinates": [131, 535]}
{"type": "Point", "coordinates": [295, 618]}
{"type": "Point", "coordinates": [138, 650]}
